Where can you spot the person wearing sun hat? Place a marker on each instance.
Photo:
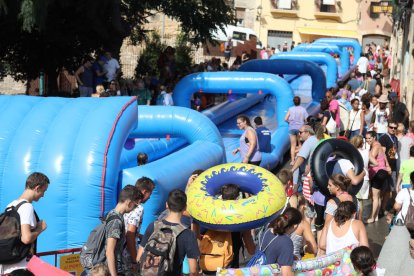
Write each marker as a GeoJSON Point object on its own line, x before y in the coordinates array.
{"type": "Point", "coordinates": [381, 115]}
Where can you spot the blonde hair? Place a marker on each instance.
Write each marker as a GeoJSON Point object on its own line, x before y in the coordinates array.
{"type": "Point", "coordinates": [100, 89]}
{"type": "Point", "coordinates": [285, 176]}
{"type": "Point", "coordinates": [357, 141]}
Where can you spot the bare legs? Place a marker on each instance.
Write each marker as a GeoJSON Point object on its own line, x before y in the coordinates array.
{"type": "Point", "coordinates": [293, 142]}
{"type": "Point", "coordinates": [376, 204]}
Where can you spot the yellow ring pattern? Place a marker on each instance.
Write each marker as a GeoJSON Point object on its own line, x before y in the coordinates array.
{"type": "Point", "coordinates": [205, 208]}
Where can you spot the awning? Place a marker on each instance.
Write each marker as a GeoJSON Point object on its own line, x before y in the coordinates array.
{"type": "Point", "coordinates": [329, 32]}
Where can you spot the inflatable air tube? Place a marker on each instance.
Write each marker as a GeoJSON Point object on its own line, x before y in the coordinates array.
{"type": "Point", "coordinates": [320, 156]}
{"type": "Point", "coordinates": [319, 58]}
{"type": "Point", "coordinates": [344, 42]}
{"type": "Point", "coordinates": [336, 263]}
{"type": "Point", "coordinates": [41, 268]}
{"type": "Point", "coordinates": [154, 148]}
{"type": "Point", "coordinates": [327, 48]}
{"type": "Point", "coordinates": [77, 143]}
{"type": "Point", "coordinates": [205, 149]}
{"type": "Point", "coordinates": [291, 67]}
{"type": "Point", "coordinates": [268, 197]}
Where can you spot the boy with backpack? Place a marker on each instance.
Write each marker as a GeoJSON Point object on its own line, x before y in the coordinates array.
{"type": "Point", "coordinates": [133, 221]}
{"type": "Point", "coordinates": [20, 227]}
{"type": "Point", "coordinates": [107, 241]}
{"type": "Point", "coordinates": [166, 242]}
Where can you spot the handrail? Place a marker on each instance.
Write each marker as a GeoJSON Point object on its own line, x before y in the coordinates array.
{"type": "Point", "coordinates": [58, 252]}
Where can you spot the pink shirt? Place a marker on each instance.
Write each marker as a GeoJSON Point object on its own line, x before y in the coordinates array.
{"type": "Point", "coordinates": [334, 105]}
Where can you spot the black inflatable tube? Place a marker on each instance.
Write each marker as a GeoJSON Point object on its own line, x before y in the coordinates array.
{"type": "Point", "coordinates": [344, 150]}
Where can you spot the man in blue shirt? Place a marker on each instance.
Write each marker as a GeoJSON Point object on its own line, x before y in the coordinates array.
{"type": "Point", "coordinates": [263, 135]}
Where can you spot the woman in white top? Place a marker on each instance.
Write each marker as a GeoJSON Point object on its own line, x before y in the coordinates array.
{"type": "Point", "coordinates": [344, 230]}
{"type": "Point", "coordinates": [356, 120]}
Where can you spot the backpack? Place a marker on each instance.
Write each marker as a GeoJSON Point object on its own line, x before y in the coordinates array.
{"type": "Point", "coordinates": [216, 250]}
{"type": "Point", "coordinates": [409, 217]}
{"type": "Point", "coordinates": [159, 251]}
{"type": "Point", "coordinates": [13, 249]}
{"type": "Point", "coordinates": [259, 257]}
{"type": "Point", "coordinates": [93, 251]}
{"type": "Point", "coordinates": [160, 99]}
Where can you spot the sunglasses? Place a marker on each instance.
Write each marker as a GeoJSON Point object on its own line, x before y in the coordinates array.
{"type": "Point", "coordinates": [300, 132]}
{"type": "Point", "coordinates": [392, 127]}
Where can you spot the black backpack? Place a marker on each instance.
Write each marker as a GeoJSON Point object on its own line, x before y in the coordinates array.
{"type": "Point", "coordinates": [12, 249]}
{"type": "Point", "coordinates": [93, 251]}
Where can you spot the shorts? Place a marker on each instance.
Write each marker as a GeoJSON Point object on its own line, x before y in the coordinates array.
{"type": "Point", "coordinates": [256, 163]}
{"type": "Point", "coordinates": [381, 181]}
{"type": "Point", "coordinates": [294, 132]}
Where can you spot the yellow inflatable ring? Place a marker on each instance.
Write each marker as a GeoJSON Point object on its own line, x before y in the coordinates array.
{"type": "Point", "coordinates": [235, 215]}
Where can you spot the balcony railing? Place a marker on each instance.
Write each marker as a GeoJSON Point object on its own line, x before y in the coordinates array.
{"type": "Point", "coordinates": [285, 7]}
{"type": "Point", "coordinates": [323, 10]}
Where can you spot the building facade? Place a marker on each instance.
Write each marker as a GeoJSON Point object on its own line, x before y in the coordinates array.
{"type": "Point", "coordinates": [401, 43]}
{"type": "Point", "coordinates": [279, 21]}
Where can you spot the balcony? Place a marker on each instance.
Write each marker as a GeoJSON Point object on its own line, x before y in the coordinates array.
{"type": "Point", "coordinates": [284, 8]}
{"type": "Point", "coordinates": [328, 10]}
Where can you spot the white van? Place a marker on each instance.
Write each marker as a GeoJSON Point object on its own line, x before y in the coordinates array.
{"type": "Point", "coordinates": [237, 34]}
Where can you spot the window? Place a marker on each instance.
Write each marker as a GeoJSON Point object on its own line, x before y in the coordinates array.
{"type": "Point", "coordinates": [240, 14]}
{"type": "Point", "coordinates": [328, 6]}
{"type": "Point", "coordinates": [239, 36]}
{"type": "Point", "coordinates": [284, 4]}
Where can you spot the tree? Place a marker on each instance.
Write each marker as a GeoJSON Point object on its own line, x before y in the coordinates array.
{"type": "Point", "coordinates": [47, 35]}
{"type": "Point", "coordinates": [148, 59]}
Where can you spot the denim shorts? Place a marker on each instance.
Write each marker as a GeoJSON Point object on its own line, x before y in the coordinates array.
{"type": "Point", "coordinates": [294, 132]}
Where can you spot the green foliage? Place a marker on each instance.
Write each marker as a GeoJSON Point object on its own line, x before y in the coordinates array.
{"type": "Point", "coordinates": [46, 35]}
{"type": "Point", "coordinates": [148, 59]}
{"type": "Point", "coordinates": [183, 53]}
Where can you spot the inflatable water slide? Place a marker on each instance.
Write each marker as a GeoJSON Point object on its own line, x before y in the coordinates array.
{"type": "Point", "coordinates": [87, 146]}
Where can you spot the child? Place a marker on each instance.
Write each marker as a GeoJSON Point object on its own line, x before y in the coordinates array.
{"type": "Point", "coordinates": [286, 177]}
{"type": "Point", "coordinates": [364, 262]}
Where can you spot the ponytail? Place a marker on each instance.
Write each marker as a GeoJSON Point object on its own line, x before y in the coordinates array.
{"type": "Point", "coordinates": [290, 217]}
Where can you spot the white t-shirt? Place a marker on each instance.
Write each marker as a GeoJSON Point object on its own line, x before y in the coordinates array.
{"type": "Point", "coordinates": [27, 216]}
{"type": "Point", "coordinates": [381, 120]}
{"type": "Point", "coordinates": [362, 65]}
{"type": "Point", "coordinates": [342, 166]}
{"type": "Point", "coordinates": [168, 100]}
{"type": "Point", "coordinates": [403, 198]}
{"type": "Point", "coordinates": [111, 66]}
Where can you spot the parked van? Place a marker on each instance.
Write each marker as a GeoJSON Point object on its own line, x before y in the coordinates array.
{"type": "Point", "coordinates": [237, 34]}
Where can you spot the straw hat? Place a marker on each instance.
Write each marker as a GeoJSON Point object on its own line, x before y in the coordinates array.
{"type": "Point", "coordinates": [383, 99]}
